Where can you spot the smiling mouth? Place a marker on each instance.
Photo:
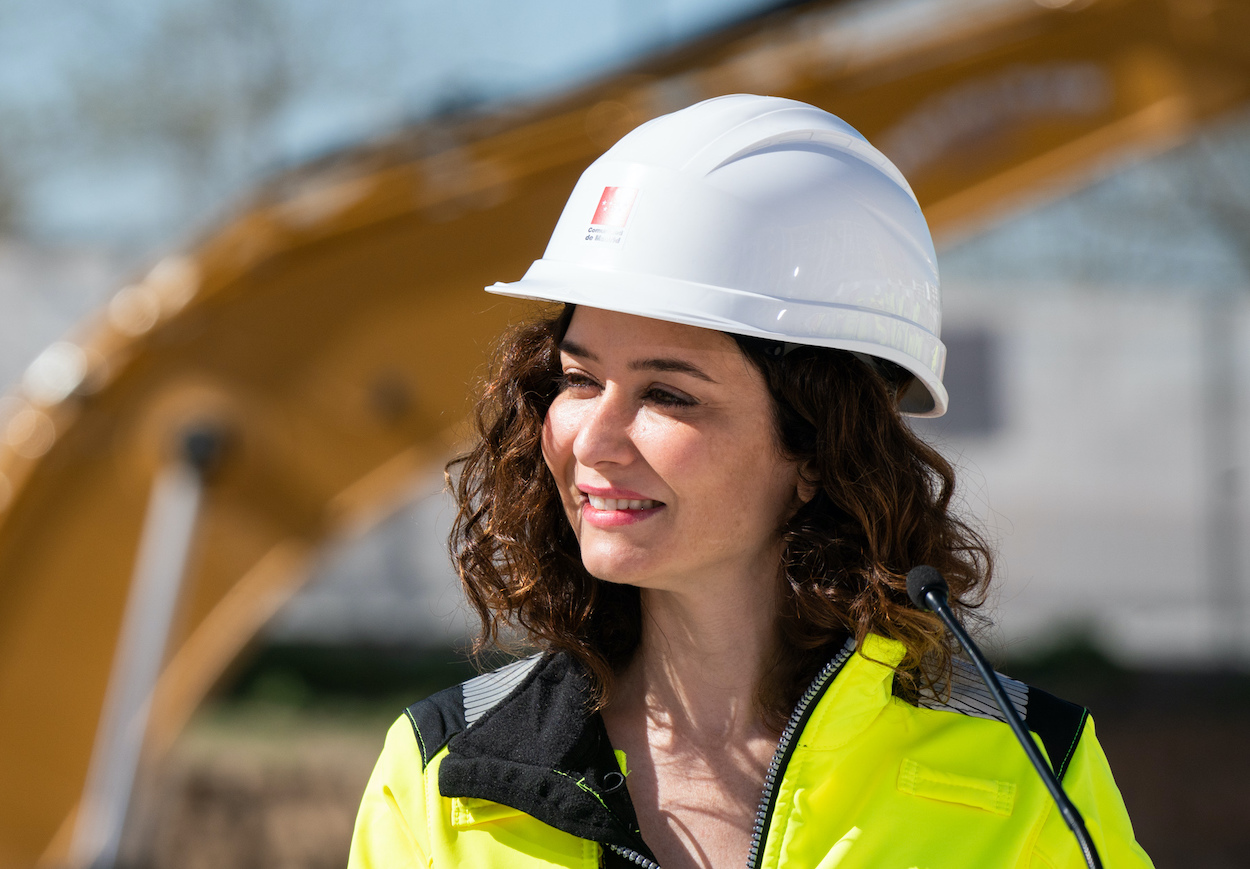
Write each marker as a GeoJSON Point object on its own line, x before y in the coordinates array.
{"type": "Point", "coordinates": [621, 503]}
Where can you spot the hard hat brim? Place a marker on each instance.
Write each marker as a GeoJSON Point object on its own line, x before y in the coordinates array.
{"type": "Point", "coordinates": [820, 324]}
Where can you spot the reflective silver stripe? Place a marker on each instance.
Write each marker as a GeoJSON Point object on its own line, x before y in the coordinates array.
{"type": "Point", "coordinates": [969, 696]}
{"type": "Point", "coordinates": [483, 693]}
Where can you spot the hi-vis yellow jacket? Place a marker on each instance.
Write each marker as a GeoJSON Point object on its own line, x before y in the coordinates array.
{"type": "Point", "coordinates": [508, 770]}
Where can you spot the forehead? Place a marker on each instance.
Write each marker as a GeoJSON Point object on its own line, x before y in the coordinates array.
{"type": "Point", "coordinates": [601, 331]}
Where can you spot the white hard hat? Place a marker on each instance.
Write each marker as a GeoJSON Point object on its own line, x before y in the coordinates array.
{"type": "Point", "coordinates": [758, 216]}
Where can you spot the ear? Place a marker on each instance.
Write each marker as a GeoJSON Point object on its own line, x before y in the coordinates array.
{"type": "Point", "coordinates": [808, 485]}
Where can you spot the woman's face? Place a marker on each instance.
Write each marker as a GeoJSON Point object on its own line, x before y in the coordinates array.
{"type": "Point", "coordinates": [662, 445]}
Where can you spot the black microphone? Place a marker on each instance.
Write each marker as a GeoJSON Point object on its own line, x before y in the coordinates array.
{"type": "Point", "coordinates": [928, 591]}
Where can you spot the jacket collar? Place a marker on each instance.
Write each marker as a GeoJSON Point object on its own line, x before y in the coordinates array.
{"type": "Point", "coordinates": [859, 693]}
{"type": "Point", "coordinates": [543, 752]}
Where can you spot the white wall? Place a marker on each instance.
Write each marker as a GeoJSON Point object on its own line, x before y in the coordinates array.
{"type": "Point", "coordinates": [1095, 487]}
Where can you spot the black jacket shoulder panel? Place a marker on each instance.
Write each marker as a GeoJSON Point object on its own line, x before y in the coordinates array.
{"type": "Point", "coordinates": [435, 720]}
{"type": "Point", "coordinates": [1058, 724]}
{"type": "Point", "coordinates": [439, 717]}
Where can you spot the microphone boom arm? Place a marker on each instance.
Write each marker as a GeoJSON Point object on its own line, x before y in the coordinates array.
{"type": "Point", "coordinates": [928, 591]}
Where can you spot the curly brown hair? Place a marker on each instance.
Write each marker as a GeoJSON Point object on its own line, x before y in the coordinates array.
{"type": "Point", "coordinates": [882, 506]}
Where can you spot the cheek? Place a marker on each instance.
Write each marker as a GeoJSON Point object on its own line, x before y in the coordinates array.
{"type": "Point", "coordinates": [560, 428]}
{"type": "Point", "coordinates": [556, 457]}
{"type": "Point", "coordinates": [551, 444]}
{"type": "Point", "coordinates": [669, 447]}
{"type": "Point", "coordinates": [741, 481]}
{"type": "Point", "coordinates": [701, 472]}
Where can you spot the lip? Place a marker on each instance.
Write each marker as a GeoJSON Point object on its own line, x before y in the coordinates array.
{"type": "Point", "coordinates": [615, 518]}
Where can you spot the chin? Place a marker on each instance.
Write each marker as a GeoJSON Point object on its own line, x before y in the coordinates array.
{"type": "Point", "coordinates": [616, 569]}
{"type": "Point", "coordinates": [608, 572]}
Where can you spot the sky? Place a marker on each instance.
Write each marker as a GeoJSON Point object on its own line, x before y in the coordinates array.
{"type": "Point", "coordinates": [128, 123]}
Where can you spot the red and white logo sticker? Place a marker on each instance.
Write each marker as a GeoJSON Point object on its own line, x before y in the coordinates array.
{"type": "Point", "coordinates": [614, 206]}
{"type": "Point", "coordinates": [611, 215]}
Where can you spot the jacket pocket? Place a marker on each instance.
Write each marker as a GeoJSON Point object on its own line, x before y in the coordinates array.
{"type": "Point", "coordinates": [993, 796]}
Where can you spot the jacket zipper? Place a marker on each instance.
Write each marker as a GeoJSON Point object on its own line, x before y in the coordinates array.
{"type": "Point", "coordinates": [797, 719]}
{"type": "Point", "coordinates": [635, 858]}
{"type": "Point", "coordinates": [781, 756]}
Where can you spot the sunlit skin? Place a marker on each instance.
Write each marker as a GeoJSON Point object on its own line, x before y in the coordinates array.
{"type": "Point", "coordinates": [677, 421]}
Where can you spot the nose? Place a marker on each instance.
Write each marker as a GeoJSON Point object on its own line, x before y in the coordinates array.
{"type": "Point", "coordinates": [604, 431]}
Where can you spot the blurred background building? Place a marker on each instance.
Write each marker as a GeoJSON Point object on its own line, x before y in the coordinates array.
{"type": "Point", "coordinates": [1097, 315]}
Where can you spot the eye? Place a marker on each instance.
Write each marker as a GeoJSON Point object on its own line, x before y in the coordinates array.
{"type": "Point", "coordinates": [667, 397]}
{"type": "Point", "coordinates": [572, 381]}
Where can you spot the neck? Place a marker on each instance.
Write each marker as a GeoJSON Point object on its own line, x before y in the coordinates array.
{"type": "Point", "coordinates": [700, 661]}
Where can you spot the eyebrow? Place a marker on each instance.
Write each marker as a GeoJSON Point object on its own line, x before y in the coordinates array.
{"type": "Point", "coordinates": [657, 364]}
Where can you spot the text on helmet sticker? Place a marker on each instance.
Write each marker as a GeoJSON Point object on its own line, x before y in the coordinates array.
{"type": "Point", "coordinates": [611, 215]}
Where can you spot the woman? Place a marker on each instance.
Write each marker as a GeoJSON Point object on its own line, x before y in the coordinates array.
{"type": "Point", "coordinates": [694, 494]}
